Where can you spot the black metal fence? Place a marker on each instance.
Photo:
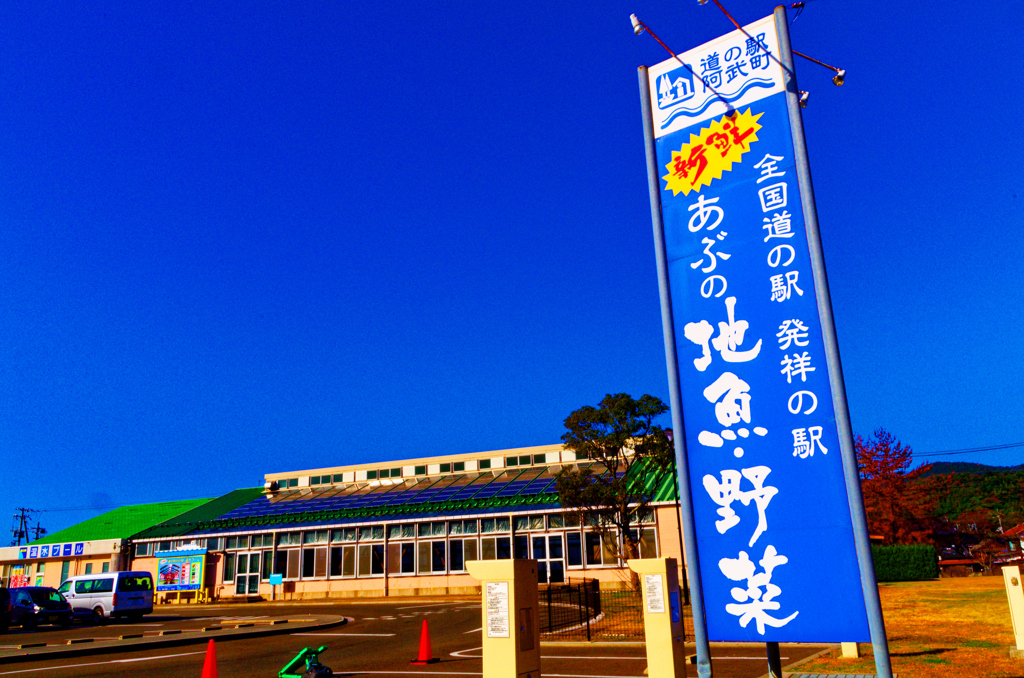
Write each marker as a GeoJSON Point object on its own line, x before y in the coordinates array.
{"type": "Point", "coordinates": [580, 610]}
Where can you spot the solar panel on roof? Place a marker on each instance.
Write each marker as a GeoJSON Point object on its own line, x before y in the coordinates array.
{"type": "Point", "coordinates": [538, 486]}
{"type": "Point", "coordinates": [447, 493]}
{"type": "Point", "coordinates": [490, 490]}
{"type": "Point", "coordinates": [513, 488]}
{"type": "Point", "coordinates": [466, 492]}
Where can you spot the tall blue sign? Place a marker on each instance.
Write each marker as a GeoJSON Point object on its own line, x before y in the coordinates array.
{"type": "Point", "coordinates": [778, 558]}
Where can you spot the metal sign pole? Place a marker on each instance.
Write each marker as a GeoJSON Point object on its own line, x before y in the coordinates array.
{"type": "Point", "coordinates": [876, 623]}
{"type": "Point", "coordinates": [700, 630]}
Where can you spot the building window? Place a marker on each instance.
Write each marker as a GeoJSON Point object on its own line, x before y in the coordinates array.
{"type": "Point", "coordinates": [142, 549]}
{"type": "Point", "coordinates": [338, 477]}
{"type": "Point", "coordinates": [105, 568]}
{"type": "Point", "coordinates": [648, 541]}
{"type": "Point", "coordinates": [315, 537]}
{"type": "Point", "coordinates": [574, 549]}
{"type": "Point", "coordinates": [371, 475]}
{"type": "Point", "coordinates": [495, 548]}
{"type": "Point", "coordinates": [462, 527]}
{"type": "Point", "coordinates": [403, 531]}
{"type": "Point", "coordinates": [371, 533]}
{"type": "Point", "coordinates": [420, 470]}
{"type": "Point", "coordinates": [431, 529]}
{"type": "Point", "coordinates": [287, 539]}
{"type": "Point", "coordinates": [314, 563]}
{"type": "Point", "coordinates": [524, 460]}
{"type": "Point", "coordinates": [237, 542]}
{"type": "Point", "coordinates": [511, 461]}
{"type": "Point", "coordinates": [645, 517]}
{"type": "Point", "coordinates": [286, 563]}
{"type": "Point", "coordinates": [371, 559]}
{"type": "Point", "coordinates": [488, 525]}
{"type": "Point", "coordinates": [402, 558]}
{"type": "Point", "coordinates": [540, 459]}
{"type": "Point", "coordinates": [229, 567]}
{"type": "Point", "coordinates": [343, 534]}
{"type": "Point", "coordinates": [459, 466]}
{"type": "Point", "coordinates": [88, 568]}
{"type": "Point", "coordinates": [598, 551]}
{"type": "Point", "coordinates": [343, 561]}
{"type": "Point", "coordinates": [485, 464]}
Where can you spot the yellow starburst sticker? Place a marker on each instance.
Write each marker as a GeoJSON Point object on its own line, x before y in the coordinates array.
{"type": "Point", "coordinates": [711, 152]}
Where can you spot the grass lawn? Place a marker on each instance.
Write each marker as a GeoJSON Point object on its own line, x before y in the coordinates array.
{"type": "Point", "coordinates": [948, 627]}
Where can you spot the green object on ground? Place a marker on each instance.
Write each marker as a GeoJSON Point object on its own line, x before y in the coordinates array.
{"type": "Point", "coordinates": [296, 667]}
{"type": "Point", "coordinates": [902, 562]}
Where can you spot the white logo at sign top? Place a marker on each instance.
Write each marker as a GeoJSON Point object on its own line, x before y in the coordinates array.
{"type": "Point", "coordinates": [715, 78]}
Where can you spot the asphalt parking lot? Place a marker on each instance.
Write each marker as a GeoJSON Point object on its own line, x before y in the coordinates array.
{"type": "Point", "coordinates": [371, 637]}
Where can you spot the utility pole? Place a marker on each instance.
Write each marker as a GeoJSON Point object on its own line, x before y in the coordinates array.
{"type": "Point", "coordinates": [21, 529]}
{"type": "Point", "coordinates": [39, 530]}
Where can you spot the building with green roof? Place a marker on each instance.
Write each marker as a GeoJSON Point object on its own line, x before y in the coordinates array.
{"type": "Point", "coordinates": [99, 544]}
{"type": "Point", "coordinates": [404, 527]}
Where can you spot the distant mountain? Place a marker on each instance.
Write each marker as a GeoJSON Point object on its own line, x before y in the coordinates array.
{"type": "Point", "coordinates": [943, 467]}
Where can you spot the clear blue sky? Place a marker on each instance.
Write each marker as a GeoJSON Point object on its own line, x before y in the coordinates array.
{"type": "Point", "coordinates": [239, 238]}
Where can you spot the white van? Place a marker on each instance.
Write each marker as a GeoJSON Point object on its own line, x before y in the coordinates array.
{"type": "Point", "coordinates": [109, 595]}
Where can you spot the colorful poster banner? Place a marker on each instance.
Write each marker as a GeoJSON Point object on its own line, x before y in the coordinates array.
{"type": "Point", "coordinates": [180, 570]}
{"type": "Point", "coordinates": [19, 577]}
{"type": "Point", "coordinates": [775, 540]}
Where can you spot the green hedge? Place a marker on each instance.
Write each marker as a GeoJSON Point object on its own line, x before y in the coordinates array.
{"type": "Point", "coordinates": [905, 563]}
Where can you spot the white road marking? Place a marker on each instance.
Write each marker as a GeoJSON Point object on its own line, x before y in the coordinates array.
{"type": "Point", "coordinates": [413, 607]}
{"type": "Point", "coordinates": [462, 673]}
{"type": "Point", "coordinates": [125, 625]}
{"type": "Point", "coordinates": [343, 634]}
{"type": "Point", "coordinates": [461, 655]}
{"type": "Point", "coordinates": [109, 661]}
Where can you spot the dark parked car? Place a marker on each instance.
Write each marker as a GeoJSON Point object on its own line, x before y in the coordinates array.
{"type": "Point", "coordinates": [34, 605]}
{"type": "Point", "coordinates": [5, 609]}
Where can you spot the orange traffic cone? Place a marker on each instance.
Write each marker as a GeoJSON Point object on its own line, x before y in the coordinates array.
{"type": "Point", "coordinates": [426, 656]}
{"type": "Point", "coordinates": [210, 665]}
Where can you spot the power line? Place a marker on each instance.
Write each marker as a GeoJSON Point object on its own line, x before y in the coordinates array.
{"type": "Point", "coordinates": [969, 450]}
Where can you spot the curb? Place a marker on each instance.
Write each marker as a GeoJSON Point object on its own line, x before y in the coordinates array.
{"type": "Point", "coordinates": [132, 643]}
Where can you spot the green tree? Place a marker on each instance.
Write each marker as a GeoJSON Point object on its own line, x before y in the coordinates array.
{"type": "Point", "coordinates": [622, 440]}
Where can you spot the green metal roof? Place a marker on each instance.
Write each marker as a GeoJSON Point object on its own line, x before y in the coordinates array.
{"type": "Point", "coordinates": [183, 523]}
{"type": "Point", "coordinates": [122, 523]}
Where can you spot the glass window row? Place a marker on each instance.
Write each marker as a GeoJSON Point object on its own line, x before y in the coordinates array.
{"type": "Point", "coordinates": [555, 552]}
{"type": "Point", "coordinates": [437, 528]}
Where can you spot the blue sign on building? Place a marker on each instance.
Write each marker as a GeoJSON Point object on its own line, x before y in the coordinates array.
{"type": "Point", "coordinates": [778, 560]}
